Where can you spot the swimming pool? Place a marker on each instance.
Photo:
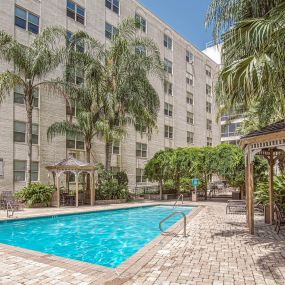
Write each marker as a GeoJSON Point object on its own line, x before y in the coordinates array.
{"type": "Point", "coordinates": [106, 238]}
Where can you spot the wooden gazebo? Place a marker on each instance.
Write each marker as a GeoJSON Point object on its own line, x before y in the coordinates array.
{"type": "Point", "coordinates": [77, 167]}
{"type": "Point", "coordinates": [270, 143]}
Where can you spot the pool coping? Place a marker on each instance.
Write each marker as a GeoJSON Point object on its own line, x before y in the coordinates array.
{"type": "Point", "coordinates": [106, 275]}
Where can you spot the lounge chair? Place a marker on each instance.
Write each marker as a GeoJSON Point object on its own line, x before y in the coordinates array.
{"type": "Point", "coordinates": [280, 217]}
{"type": "Point", "coordinates": [236, 206]}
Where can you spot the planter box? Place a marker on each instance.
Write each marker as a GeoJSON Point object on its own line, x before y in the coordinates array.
{"type": "Point", "coordinates": [39, 205]}
{"type": "Point", "coordinates": [236, 195]}
{"type": "Point", "coordinates": [194, 196]}
{"type": "Point", "coordinates": [152, 196]}
{"type": "Point", "coordinates": [104, 202]}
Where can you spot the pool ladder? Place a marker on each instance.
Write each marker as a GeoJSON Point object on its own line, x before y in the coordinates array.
{"type": "Point", "coordinates": [171, 215]}
{"type": "Point", "coordinates": [8, 205]}
{"type": "Point", "coordinates": [179, 197]}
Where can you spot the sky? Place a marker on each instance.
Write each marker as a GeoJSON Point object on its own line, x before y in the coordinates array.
{"type": "Point", "coordinates": [185, 16]}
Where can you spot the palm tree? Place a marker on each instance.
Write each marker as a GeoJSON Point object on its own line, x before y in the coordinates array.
{"type": "Point", "coordinates": [31, 66]}
{"type": "Point", "coordinates": [130, 60]}
{"type": "Point", "coordinates": [91, 116]}
{"type": "Point", "coordinates": [253, 57]}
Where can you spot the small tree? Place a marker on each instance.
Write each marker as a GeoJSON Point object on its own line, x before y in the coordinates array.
{"type": "Point", "coordinates": [179, 165]}
{"type": "Point", "coordinates": [203, 165]}
{"type": "Point", "coordinates": [155, 169]}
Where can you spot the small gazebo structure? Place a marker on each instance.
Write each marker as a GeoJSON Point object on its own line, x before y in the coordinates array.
{"type": "Point", "coordinates": [76, 167]}
{"type": "Point", "coordinates": [270, 143]}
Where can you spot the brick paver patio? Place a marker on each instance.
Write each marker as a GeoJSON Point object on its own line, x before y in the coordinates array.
{"type": "Point", "coordinates": [218, 250]}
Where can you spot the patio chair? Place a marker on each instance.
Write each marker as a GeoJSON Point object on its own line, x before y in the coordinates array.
{"type": "Point", "coordinates": [235, 206]}
{"type": "Point", "coordinates": [259, 207]}
{"type": "Point", "coordinates": [7, 197]}
{"type": "Point", "coordinates": [280, 217]}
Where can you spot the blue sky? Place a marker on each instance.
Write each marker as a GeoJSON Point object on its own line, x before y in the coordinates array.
{"type": "Point", "coordinates": [185, 16]}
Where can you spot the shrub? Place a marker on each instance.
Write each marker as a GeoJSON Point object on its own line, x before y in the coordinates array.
{"type": "Point", "coordinates": [36, 193]}
{"type": "Point", "coordinates": [262, 190]}
{"type": "Point", "coordinates": [112, 186]}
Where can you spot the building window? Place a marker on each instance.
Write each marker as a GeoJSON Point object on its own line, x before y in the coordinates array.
{"type": "Point", "coordinates": [79, 45]}
{"type": "Point", "coordinates": [116, 148]}
{"type": "Point", "coordinates": [190, 137]}
{"type": "Point", "coordinates": [76, 12]}
{"type": "Point", "coordinates": [189, 79]}
{"type": "Point", "coordinates": [168, 132]}
{"type": "Point", "coordinates": [19, 96]}
{"type": "Point", "coordinates": [141, 22]}
{"type": "Point", "coordinates": [230, 130]}
{"type": "Point", "coordinates": [141, 50]}
{"type": "Point", "coordinates": [190, 98]}
{"type": "Point", "coordinates": [168, 109]}
{"type": "Point", "coordinates": [190, 118]}
{"type": "Point", "coordinates": [20, 132]}
{"type": "Point", "coordinates": [168, 88]}
{"type": "Point", "coordinates": [110, 31]}
{"type": "Point", "coordinates": [113, 5]}
{"type": "Point", "coordinates": [168, 66]}
{"type": "Point", "coordinates": [70, 108]}
{"type": "Point", "coordinates": [189, 56]}
{"type": "Point", "coordinates": [75, 142]}
{"type": "Point", "coordinates": [209, 141]}
{"type": "Point", "coordinates": [209, 125]}
{"type": "Point", "coordinates": [1, 168]}
{"type": "Point", "coordinates": [208, 71]}
{"type": "Point", "coordinates": [20, 170]}
{"type": "Point", "coordinates": [26, 20]}
{"type": "Point", "coordinates": [167, 42]}
{"type": "Point", "coordinates": [208, 107]}
{"type": "Point", "coordinates": [140, 175]}
{"type": "Point", "coordinates": [75, 75]}
{"type": "Point", "coordinates": [141, 150]}
{"type": "Point", "coordinates": [208, 90]}
{"type": "Point", "coordinates": [35, 134]}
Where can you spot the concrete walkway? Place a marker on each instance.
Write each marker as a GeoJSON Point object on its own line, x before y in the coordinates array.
{"type": "Point", "coordinates": [218, 250]}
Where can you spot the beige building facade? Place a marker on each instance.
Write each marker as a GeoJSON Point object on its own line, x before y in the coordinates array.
{"type": "Point", "coordinates": [187, 115]}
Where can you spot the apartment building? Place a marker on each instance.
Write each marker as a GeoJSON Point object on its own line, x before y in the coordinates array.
{"type": "Point", "coordinates": [187, 115]}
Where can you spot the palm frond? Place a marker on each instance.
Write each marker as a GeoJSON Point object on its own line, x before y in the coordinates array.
{"type": "Point", "coordinates": [63, 128]}
{"type": "Point", "coordinates": [8, 82]}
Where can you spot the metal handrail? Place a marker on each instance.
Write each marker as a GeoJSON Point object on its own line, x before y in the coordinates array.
{"type": "Point", "coordinates": [8, 204]}
{"type": "Point", "coordinates": [171, 215]}
{"type": "Point", "coordinates": [180, 196]}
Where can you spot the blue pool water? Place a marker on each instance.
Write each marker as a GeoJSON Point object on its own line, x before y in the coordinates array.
{"type": "Point", "coordinates": [106, 238]}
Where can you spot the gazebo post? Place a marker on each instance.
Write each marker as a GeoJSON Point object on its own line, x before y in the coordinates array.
{"type": "Point", "coordinates": [76, 189]}
{"type": "Point", "coordinates": [246, 188]}
{"type": "Point", "coordinates": [271, 164]}
{"type": "Point", "coordinates": [250, 193]}
{"type": "Point", "coordinates": [57, 190]}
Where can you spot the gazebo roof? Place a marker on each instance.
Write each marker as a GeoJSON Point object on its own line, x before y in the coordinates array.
{"type": "Point", "coordinates": [269, 135]}
{"type": "Point", "coordinates": [72, 163]}
{"type": "Point", "coordinates": [273, 128]}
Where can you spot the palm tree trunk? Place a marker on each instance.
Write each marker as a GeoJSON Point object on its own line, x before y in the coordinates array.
{"type": "Point", "coordinates": [88, 158]}
{"type": "Point", "coordinates": [108, 156]}
{"type": "Point", "coordinates": [29, 108]}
